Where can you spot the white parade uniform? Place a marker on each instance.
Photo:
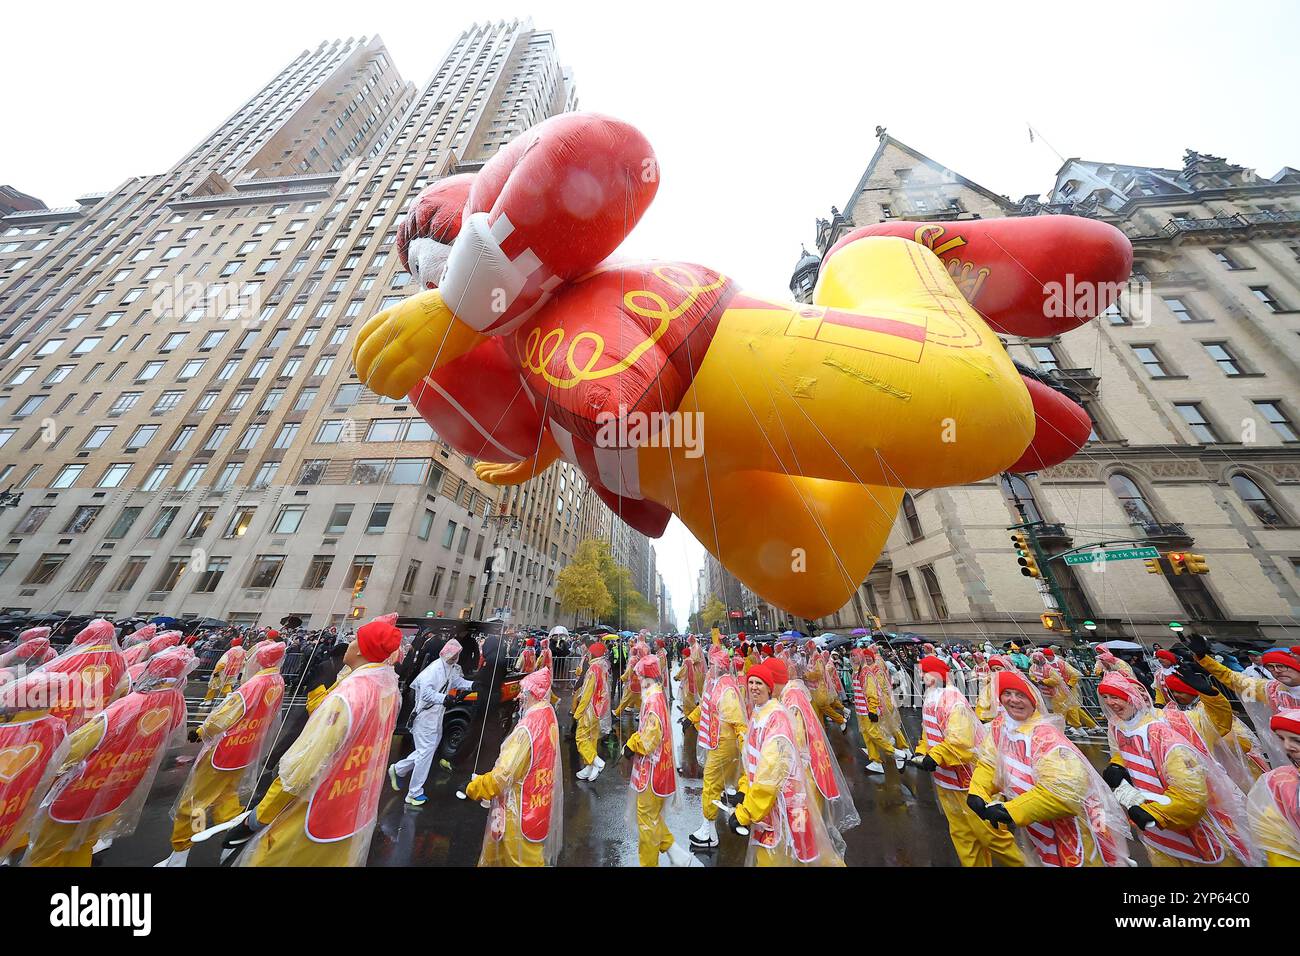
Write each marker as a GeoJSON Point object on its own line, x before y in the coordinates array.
{"type": "Point", "coordinates": [430, 689]}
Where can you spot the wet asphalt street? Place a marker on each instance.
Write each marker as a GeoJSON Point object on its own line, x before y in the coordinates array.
{"type": "Point", "coordinates": [902, 824]}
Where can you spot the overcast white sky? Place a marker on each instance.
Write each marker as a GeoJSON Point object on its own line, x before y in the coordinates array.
{"type": "Point", "coordinates": [762, 115]}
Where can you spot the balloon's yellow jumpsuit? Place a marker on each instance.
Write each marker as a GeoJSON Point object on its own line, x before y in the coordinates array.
{"type": "Point", "coordinates": [828, 706]}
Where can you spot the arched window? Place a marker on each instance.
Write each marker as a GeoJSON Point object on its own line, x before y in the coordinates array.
{"type": "Point", "coordinates": [914, 532]}
{"type": "Point", "coordinates": [1131, 499]}
{"type": "Point", "coordinates": [1021, 497]}
{"type": "Point", "coordinates": [1257, 500]}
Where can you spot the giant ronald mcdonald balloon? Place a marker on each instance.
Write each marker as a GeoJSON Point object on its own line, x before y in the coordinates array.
{"type": "Point", "coordinates": [797, 427]}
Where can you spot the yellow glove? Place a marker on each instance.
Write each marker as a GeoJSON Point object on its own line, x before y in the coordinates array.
{"type": "Point", "coordinates": [635, 744]}
{"type": "Point", "coordinates": [401, 345]}
{"type": "Point", "coordinates": [694, 717]}
{"type": "Point", "coordinates": [482, 787]}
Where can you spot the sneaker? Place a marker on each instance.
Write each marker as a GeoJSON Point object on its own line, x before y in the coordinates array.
{"type": "Point", "coordinates": [875, 767]}
{"type": "Point", "coordinates": [392, 778]}
{"type": "Point", "coordinates": [706, 835]}
{"type": "Point", "coordinates": [586, 772]}
{"type": "Point", "coordinates": [419, 801]}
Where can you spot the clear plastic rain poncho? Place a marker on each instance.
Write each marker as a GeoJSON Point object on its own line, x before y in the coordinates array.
{"type": "Point", "coordinates": [822, 769]}
{"type": "Point", "coordinates": [942, 704]}
{"type": "Point", "coordinates": [340, 793]}
{"type": "Point", "coordinates": [1048, 680]}
{"type": "Point", "coordinates": [1151, 748]}
{"type": "Point", "coordinates": [155, 645]}
{"type": "Point", "coordinates": [792, 832]}
{"type": "Point", "coordinates": [598, 672]}
{"type": "Point", "coordinates": [1264, 698]}
{"type": "Point", "coordinates": [31, 650]}
{"type": "Point", "coordinates": [658, 769]}
{"type": "Point", "coordinates": [1273, 806]}
{"type": "Point", "coordinates": [252, 715]}
{"type": "Point", "coordinates": [718, 666]}
{"type": "Point", "coordinates": [93, 671]}
{"type": "Point", "coordinates": [117, 755]}
{"type": "Point", "coordinates": [1036, 752]}
{"type": "Point", "coordinates": [32, 748]}
{"type": "Point", "coordinates": [525, 825]}
{"type": "Point", "coordinates": [135, 646]}
{"type": "Point", "coordinates": [1193, 722]}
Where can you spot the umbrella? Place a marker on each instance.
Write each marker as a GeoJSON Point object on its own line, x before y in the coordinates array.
{"type": "Point", "coordinates": [795, 635]}
{"type": "Point", "coordinates": [292, 620]}
{"type": "Point", "coordinates": [559, 631]}
{"type": "Point", "coordinates": [861, 632]}
{"type": "Point", "coordinates": [163, 621]}
{"type": "Point", "coordinates": [1121, 646]}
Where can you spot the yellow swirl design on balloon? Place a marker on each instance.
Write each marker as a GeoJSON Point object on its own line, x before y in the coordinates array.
{"type": "Point", "coordinates": [540, 349]}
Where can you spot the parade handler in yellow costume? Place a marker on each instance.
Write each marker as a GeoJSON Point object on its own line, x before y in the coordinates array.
{"type": "Point", "coordinates": [322, 810]}
{"type": "Point", "coordinates": [235, 737]}
{"type": "Point", "coordinates": [526, 800]}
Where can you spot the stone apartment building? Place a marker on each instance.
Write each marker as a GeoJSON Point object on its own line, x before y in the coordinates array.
{"type": "Point", "coordinates": [1193, 385]}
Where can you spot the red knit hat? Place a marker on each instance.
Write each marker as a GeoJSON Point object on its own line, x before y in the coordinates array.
{"type": "Point", "coordinates": [1179, 686]}
{"type": "Point", "coordinates": [597, 649]}
{"type": "Point", "coordinates": [763, 673]}
{"type": "Point", "coordinates": [378, 639]}
{"type": "Point", "coordinates": [1281, 658]}
{"type": "Point", "coordinates": [1288, 720]}
{"type": "Point", "coordinates": [237, 642]}
{"type": "Point", "coordinates": [776, 667]}
{"type": "Point", "coordinates": [933, 665]}
{"type": "Point", "coordinates": [1167, 656]}
{"type": "Point", "coordinates": [1050, 652]}
{"type": "Point", "coordinates": [1013, 680]}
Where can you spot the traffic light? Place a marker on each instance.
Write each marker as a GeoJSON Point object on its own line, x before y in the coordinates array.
{"type": "Point", "coordinates": [1177, 561]}
{"type": "Point", "coordinates": [1196, 563]}
{"type": "Point", "coordinates": [1025, 556]}
{"type": "Point", "coordinates": [1053, 620]}
{"type": "Point", "coordinates": [1153, 566]}
{"type": "Point", "coordinates": [357, 612]}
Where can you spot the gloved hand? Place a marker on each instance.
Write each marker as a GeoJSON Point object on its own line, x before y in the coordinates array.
{"type": "Point", "coordinates": [976, 804]}
{"type": "Point", "coordinates": [193, 735]}
{"type": "Point", "coordinates": [1199, 645]}
{"type": "Point", "coordinates": [1141, 818]}
{"type": "Point", "coordinates": [1197, 678]}
{"type": "Point", "coordinates": [874, 718]}
{"type": "Point", "coordinates": [998, 815]}
{"type": "Point", "coordinates": [925, 762]}
{"type": "Point", "coordinates": [629, 753]}
{"type": "Point", "coordinates": [1115, 774]}
{"type": "Point", "coordinates": [732, 824]}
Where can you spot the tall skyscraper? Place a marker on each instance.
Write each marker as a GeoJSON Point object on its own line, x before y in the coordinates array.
{"type": "Point", "coordinates": [177, 401]}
